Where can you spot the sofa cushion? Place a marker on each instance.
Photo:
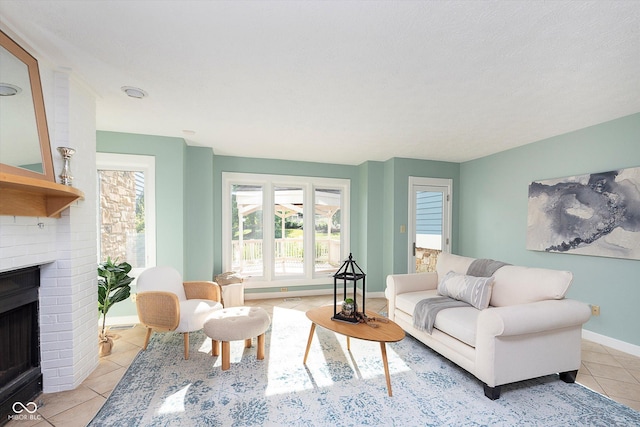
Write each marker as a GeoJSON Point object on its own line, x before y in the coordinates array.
{"type": "Point", "coordinates": [459, 322]}
{"type": "Point", "coordinates": [520, 285]}
{"type": "Point", "coordinates": [448, 262]}
{"type": "Point", "coordinates": [407, 301]}
{"type": "Point", "coordinates": [470, 289]}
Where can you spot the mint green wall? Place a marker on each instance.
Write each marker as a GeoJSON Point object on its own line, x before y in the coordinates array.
{"type": "Point", "coordinates": [372, 201]}
{"type": "Point", "coordinates": [199, 214]}
{"type": "Point", "coordinates": [493, 216]}
{"type": "Point", "coordinates": [388, 231]}
{"type": "Point", "coordinates": [170, 184]}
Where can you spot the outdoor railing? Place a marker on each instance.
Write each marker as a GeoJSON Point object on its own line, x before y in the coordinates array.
{"type": "Point", "coordinates": [249, 253]}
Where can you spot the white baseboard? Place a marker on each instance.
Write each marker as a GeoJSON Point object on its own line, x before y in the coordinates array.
{"type": "Point", "coordinates": [309, 293]}
{"type": "Point", "coordinates": [623, 346]}
{"type": "Point", "coordinates": [290, 294]}
{"type": "Point", "coordinates": [120, 320]}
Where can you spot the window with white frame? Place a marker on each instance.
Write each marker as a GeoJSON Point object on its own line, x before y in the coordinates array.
{"type": "Point", "coordinates": [126, 209]}
{"type": "Point", "coordinates": [280, 228]}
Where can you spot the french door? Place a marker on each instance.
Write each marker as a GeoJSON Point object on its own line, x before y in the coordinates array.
{"type": "Point", "coordinates": [429, 228]}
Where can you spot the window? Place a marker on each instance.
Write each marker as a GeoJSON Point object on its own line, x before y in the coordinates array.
{"type": "Point", "coordinates": [126, 210]}
{"type": "Point", "coordinates": [246, 239]}
{"type": "Point", "coordinates": [328, 256]}
{"type": "Point", "coordinates": [280, 228]}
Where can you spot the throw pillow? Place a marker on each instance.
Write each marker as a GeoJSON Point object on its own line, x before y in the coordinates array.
{"type": "Point", "coordinates": [470, 289]}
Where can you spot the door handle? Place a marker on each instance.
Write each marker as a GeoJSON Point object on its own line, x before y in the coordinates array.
{"type": "Point", "coordinates": [414, 248]}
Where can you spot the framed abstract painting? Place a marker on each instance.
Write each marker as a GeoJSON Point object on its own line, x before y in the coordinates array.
{"type": "Point", "coordinates": [593, 214]}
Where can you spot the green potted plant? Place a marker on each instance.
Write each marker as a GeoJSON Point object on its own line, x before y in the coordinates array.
{"type": "Point", "coordinates": [113, 287]}
{"type": "Point", "coordinates": [349, 307]}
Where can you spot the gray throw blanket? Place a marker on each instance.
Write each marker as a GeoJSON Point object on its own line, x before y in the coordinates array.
{"type": "Point", "coordinates": [426, 310]}
{"type": "Point", "coordinates": [484, 267]}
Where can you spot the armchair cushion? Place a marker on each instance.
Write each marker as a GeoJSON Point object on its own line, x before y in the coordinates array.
{"type": "Point", "coordinates": [193, 313]}
{"type": "Point", "coordinates": [161, 279]}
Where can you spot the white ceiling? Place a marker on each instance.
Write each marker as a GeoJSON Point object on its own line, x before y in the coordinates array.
{"type": "Point", "coordinates": [345, 82]}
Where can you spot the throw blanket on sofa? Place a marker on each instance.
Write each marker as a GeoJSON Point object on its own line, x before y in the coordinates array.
{"type": "Point", "coordinates": [484, 267]}
{"type": "Point", "coordinates": [426, 310]}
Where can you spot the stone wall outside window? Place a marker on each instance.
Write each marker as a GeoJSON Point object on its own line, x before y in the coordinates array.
{"type": "Point", "coordinates": [118, 214]}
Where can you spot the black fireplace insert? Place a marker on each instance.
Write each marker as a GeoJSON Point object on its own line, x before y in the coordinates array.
{"type": "Point", "coordinates": [20, 373]}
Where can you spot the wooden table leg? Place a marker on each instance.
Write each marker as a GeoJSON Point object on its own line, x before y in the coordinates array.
{"type": "Point", "coordinates": [226, 355]}
{"type": "Point", "coordinates": [348, 343]}
{"type": "Point", "coordinates": [260, 355]}
{"type": "Point", "coordinates": [215, 347]}
{"type": "Point", "coordinates": [306, 353]}
{"type": "Point", "coordinates": [383, 348]}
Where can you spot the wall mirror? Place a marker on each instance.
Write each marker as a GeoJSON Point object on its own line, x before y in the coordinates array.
{"type": "Point", "coordinates": [24, 138]}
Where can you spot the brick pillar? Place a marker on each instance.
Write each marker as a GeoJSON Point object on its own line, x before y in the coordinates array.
{"type": "Point", "coordinates": [68, 294]}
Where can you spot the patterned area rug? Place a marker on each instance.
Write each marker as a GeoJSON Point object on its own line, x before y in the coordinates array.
{"type": "Point", "coordinates": [336, 388]}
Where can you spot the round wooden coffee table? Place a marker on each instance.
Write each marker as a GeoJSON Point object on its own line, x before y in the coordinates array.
{"type": "Point", "coordinates": [384, 333]}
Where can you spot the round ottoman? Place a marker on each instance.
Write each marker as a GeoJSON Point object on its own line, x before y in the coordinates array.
{"type": "Point", "coordinates": [234, 324]}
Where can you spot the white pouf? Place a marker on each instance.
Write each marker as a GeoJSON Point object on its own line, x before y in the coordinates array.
{"type": "Point", "coordinates": [234, 324]}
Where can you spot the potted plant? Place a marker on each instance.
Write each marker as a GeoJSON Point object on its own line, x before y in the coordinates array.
{"type": "Point", "coordinates": [349, 307]}
{"type": "Point", "coordinates": [113, 287]}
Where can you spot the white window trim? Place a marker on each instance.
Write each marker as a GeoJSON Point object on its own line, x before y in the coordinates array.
{"type": "Point", "coordinates": [138, 163]}
{"type": "Point", "coordinates": [268, 182]}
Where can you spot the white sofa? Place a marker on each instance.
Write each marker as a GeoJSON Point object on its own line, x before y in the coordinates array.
{"type": "Point", "coordinates": [529, 329]}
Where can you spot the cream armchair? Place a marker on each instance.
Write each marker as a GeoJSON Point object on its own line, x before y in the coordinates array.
{"type": "Point", "coordinates": [166, 303]}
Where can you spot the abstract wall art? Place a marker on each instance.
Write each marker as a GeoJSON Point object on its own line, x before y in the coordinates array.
{"type": "Point", "coordinates": [592, 214]}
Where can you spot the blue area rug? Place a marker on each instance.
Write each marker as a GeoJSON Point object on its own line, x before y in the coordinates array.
{"type": "Point", "coordinates": [336, 388]}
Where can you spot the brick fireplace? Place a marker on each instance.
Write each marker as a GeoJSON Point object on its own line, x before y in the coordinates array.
{"type": "Point", "coordinates": [63, 248]}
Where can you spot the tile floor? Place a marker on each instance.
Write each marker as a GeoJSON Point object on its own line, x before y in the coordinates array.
{"type": "Point", "coordinates": [607, 371]}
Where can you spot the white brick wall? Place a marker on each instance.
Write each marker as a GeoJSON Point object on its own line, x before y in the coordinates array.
{"type": "Point", "coordinates": [65, 247]}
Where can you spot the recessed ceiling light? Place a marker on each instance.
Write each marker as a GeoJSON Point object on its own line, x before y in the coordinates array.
{"type": "Point", "coordinates": [134, 92]}
{"type": "Point", "coordinates": [7, 89]}
{"type": "Point", "coordinates": [189, 132]}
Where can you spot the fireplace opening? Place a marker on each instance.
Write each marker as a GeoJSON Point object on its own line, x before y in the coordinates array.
{"type": "Point", "coordinates": [20, 373]}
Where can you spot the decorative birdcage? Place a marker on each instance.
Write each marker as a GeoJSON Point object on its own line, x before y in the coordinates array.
{"type": "Point", "coordinates": [347, 309]}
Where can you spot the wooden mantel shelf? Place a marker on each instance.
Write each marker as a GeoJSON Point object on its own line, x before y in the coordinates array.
{"type": "Point", "coordinates": [25, 196]}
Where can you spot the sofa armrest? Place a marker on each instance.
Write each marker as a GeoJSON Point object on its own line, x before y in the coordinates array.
{"type": "Point", "coordinates": [403, 283]}
{"type": "Point", "coordinates": [532, 318]}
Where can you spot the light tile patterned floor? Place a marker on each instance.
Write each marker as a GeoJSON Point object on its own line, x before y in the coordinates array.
{"type": "Point", "coordinates": [609, 372]}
